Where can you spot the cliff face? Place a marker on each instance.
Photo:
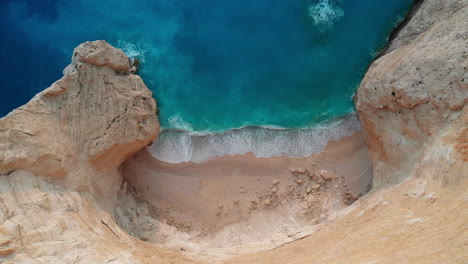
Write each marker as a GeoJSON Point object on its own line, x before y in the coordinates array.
{"type": "Point", "coordinates": [415, 90]}
{"type": "Point", "coordinates": [84, 126]}
{"type": "Point", "coordinates": [59, 164]}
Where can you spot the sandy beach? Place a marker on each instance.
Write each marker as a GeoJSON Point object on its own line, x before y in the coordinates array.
{"type": "Point", "coordinates": [241, 202]}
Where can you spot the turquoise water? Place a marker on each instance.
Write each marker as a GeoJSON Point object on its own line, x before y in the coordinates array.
{"type": "Point", "coordinates": [212, 65]}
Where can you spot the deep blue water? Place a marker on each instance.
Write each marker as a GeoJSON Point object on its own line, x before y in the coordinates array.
{"type": "Point", "coordinates": [213, 65]}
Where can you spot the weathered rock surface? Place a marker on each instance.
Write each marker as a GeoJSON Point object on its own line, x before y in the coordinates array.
{"type": "Point", "coordinates": [446, 158]}
{"type": "Point", "coordinates": [59, 164]}
{"type": "Point", "coordinates": [41, 222]}
{"type": "Point", "coordinates": [411, 93]}
{"type": "Point", "coordinates": [418, 221]}
{"type": "Point", "coordinates": [85, 125]}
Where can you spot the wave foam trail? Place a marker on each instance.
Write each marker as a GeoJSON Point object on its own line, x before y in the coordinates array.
{"type": "Point", "coordinates": [175, 146]}
{"type": "Point", "coordinates": [325, 14]}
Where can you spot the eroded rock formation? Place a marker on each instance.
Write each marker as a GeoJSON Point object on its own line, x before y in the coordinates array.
{"type": "Point", "coordinates": [83, 126]}
{"type": "Point", "coordinates": [411, 93]}
{"type": "Point", "coordinates": [59, 164]}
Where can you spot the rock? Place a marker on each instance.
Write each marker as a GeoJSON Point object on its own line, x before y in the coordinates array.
{"type": "Point", "coordinates": [416, 89]}
{"type": "Point", "coordinates": [83, 126]}
{"type": "Point", "coordinates": [267, 202]}
{"type": "Point", "coordinates": [278, 238]}
{"type": "Point", "coordinates": [297, 171]}
{"type": "Point", "coordinates": [290, 232]}
{"type": "Point", "coordinates": [99, 53]}
{"type": "Point", "coordinates": [59, 162]}
{"type": "Point", "coordinates": [445, 159]}
{"type": "Point", "coordinates": [326, 175]}
{"type": "Point", "coordinates": [134, 64]}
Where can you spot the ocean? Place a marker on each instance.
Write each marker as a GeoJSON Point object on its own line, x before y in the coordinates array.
{"type": "Point", "coordinates": [272, 77]}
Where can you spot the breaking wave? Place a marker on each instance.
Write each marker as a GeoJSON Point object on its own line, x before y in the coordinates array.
{"type": "Point", "coordinates": [176, 146]}
{"type": "Point", "coordinates": [135, 50]}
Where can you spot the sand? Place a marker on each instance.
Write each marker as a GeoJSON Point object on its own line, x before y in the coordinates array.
{"type": "Point", "coordinates": [419, 221]}
{"type": "Point", "coordinates": [235, 205]}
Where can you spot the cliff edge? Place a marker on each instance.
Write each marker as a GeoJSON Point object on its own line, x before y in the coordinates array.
{"type": "Point", "coordinates": [414, 91]}
{"type": "Point", "coordinates": [59, 164]}
{"type": "Point", "coordinates": [83, 126]}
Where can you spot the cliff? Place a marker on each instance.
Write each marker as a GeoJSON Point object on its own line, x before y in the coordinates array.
{"type": "Point", "coordinates": [414, 91]}
{"type": "Point", "coordinates": [61, 156]}
{"type": "Point", "coordinates": [84, 126]}
{"type": "Point", "coordinates": [59, 164]}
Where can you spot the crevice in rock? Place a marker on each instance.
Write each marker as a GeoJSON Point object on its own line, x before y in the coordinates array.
{"type": "Point", "coordinates": [393, 35]}
{"type": "Point", "coordinates": [104, 223]}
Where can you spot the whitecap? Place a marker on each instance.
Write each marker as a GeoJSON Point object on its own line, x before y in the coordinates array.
{"type": "Point", "coordinates": [135, 50]}
{"type": "Point", "coordinates": [176, 146]}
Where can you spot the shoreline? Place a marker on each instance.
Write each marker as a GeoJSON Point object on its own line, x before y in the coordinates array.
{"type": "Point", "coordinates": [324, 123]}
{"type": "Point", "coordinates": [176, 146]}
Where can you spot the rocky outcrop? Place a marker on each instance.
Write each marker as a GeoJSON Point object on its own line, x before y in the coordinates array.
{"type": "Point", "coordinates": [415, 90]}
{"type": "Point", "coordinates": [59, 164]}
{"type": "Point", "coordinates": [84, 126]}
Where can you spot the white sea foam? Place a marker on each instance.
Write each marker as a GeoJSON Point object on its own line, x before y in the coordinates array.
{"type": "Point", "coordinates": [135, 50]}
{"type": "Point", "coordinates": [181, 146]}
{"type": "Point", "coordinates": [178, 122]}
{"type": "Point", "coordinates": [324, 14]}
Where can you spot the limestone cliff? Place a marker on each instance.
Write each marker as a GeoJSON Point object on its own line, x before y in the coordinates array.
{"type": "Point", "coordinates": [83, 126]}
{"type": "Point", "coordinates": [59, 164]}
{"type": "Point", "coordinates": [411, 93]}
